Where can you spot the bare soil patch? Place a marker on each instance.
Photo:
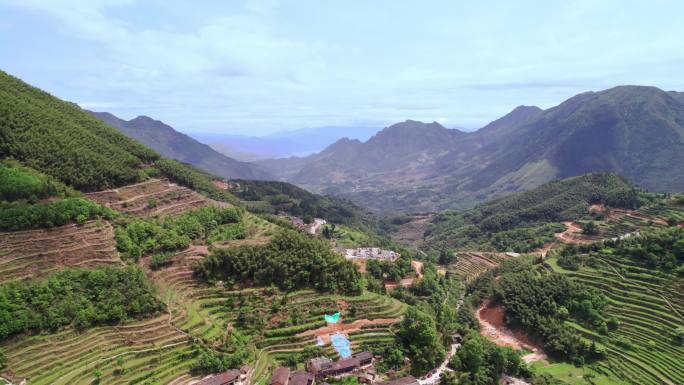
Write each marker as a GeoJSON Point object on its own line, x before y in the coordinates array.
{"type": "Point", "coordinates": [572, 234]}
{"type": "Point", "coordinates": [340, 327]}
{"type": "Point", "coordinates": [492, 326]}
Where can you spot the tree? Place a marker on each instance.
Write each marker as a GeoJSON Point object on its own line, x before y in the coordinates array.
{"type": "Point", "coordinates": [590, 228]}
{"type": "Point", "coordinates": [446, 257]}
{"type": "Point", "coordinates": [471, 354]}
{"type": "Point", "coordinates": [420, 339]}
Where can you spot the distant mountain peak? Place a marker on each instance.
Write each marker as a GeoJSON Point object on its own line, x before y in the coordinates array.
{"type": "Point", "coordinates": [177, 145]}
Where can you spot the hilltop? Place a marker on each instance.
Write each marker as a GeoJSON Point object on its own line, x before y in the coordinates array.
{"type": "Point", "coordinates": [175, 145]}
{"type": "Point", "coordinates": [633, 131]}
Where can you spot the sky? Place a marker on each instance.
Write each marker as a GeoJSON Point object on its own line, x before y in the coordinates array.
{"type": "Point", "coordinates": [260, 66]}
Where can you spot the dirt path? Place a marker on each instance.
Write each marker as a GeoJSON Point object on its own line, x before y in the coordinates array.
{"type": "Point", "coordinates": [318, 222]}
{"type": "Point", "coordinates": [418, 267]}
{"type": "Point", "coordinates": [325, 331]}
{"type": "Point", "coordinates": [570, 234]}
{"type": "Point", "coordinates": [492, 326]}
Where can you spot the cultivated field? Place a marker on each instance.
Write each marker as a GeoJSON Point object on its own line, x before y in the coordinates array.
{"type": "Point", "coordinates": [153, 197]}
{"type": "Point", "coordinates": [470, 264]}
{"type": "Point", "coordinates": [650, 306]}
{"type": "Point", "coordinates": [36, 253]}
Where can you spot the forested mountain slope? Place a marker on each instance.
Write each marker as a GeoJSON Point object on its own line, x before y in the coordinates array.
{"type": "Point", "coordinates": [176, 145]}
{"type": "Point", "coordinates": [525, 221]}
{"type": "Point", "coordinates": [634, 131]}
{"type": "Point", "coordinates": [59, 139]}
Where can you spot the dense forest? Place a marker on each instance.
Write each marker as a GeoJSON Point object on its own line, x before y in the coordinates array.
{"type": "Point", "coordinates": [525, 221]}
{"type": "Point", "coordinates": [18, 183]}
{"type": "Point", "coordinates": [290, 199]}
{"type": "Point", "coordinates": [76, 297]}
{"type": "Point", "coordinates": [291, 260]}
{"type": "Point", "coordinates": [59, 139]}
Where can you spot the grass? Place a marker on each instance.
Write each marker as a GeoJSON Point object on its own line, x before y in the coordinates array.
{"type": "Point", "coordinates": [573, 375]}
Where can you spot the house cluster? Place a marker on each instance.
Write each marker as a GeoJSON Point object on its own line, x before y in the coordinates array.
{"type": "Point", "coordinates": [369, 253]}
{"type": "Point", "coordinates": [323, 367]}
{"type": "Point", "coordinates": [231, 377]}
{"type": "Point", "coordinates": [283, 376]}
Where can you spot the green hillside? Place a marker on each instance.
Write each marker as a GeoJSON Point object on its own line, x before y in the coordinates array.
{"type": "Point", "coordinates": [524, 221]}
{"type": "Point", "coordinates": [642, 280]}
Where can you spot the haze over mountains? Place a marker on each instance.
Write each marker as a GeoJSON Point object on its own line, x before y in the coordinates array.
{"type": "Point", "coordinates": [301, 142]}
{"type": "Point", "coordinates": [173, 144]}
{"type": "Point", "coordinates": [635, 131]}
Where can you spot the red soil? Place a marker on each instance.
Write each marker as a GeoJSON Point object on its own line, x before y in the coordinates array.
{"type": "Point", "coordinates": [493, 327]}
{"type": "Point", "coordinates": [572, 234]}
{"type": "Point", "coordinates": [325, 331]}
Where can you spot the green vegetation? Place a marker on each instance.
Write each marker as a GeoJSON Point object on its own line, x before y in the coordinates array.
{"type": "Point", "coordinates": [645, 306]}
{"type": "Point", "coordinates": [291, 260]}
{"type": "Point", "coordinates": [22, 183]}
{"type": "Point", "coordinates": [194, 179]}
{"type": "Point", "coordinates": [76, 297]}
{"type": "Point", "coordinates": [525, 221]}
{"type": "Point", "coordinates": [540, 302]}
{"type": "Point", "coordinates": [419, 336]}
{"type": "Point", "coordinates": [288, 198]}
{"type": "Point", "coordinates": [654, 249]}
{"type": "Point", "coordinates": [59, 139]}
{"type": "Point", "coordinates": [392, 270]}
{"type": "Point", "coordinates": [136, 237]}
{"type": "Point", "coordinates": [22, 216]}
{"type": "Point", "coordinates": [480, 361]}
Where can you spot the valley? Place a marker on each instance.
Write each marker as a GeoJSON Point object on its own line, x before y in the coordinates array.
{"type": "Point", "coordinates": [121, 266]}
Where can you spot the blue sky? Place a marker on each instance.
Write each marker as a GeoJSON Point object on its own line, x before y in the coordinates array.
{"type": "Point", "coordinates": [259, 66]}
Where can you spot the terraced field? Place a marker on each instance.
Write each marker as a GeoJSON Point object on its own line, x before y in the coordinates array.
{"type": "Point", "coordinates": [35, 253]}
{"type": "Point", "coordinates": [153, 197]}
{"type": "Point", "coordinates": [153, 351]}
{"type": "Point", "coordinates": [471, 264]}
{"type": "Point", "coordinates": [650, 306]}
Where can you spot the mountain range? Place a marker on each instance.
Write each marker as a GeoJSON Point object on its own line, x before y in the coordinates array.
{"type": "Point", "coordinates": [173, 144]}
{"type": "Point", "coordinates": [301, 142]}
{"type": "Point", "coordinates": [635, 131]}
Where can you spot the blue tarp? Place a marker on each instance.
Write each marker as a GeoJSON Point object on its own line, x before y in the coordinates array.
{"type": "Point", "coordinates": [332, 319]}
{"type": "Point", "coordinates": [340, 342]}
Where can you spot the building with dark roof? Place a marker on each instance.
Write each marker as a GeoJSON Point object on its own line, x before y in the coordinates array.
{"type": "Point", "coordinates": [228, 378]}
{"type": "Point", "coordinates": [281, 376]}
{"type": "Point", "coordinates": [323, 367]}
{"type": "Point", "coordinates": [301, 377]}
